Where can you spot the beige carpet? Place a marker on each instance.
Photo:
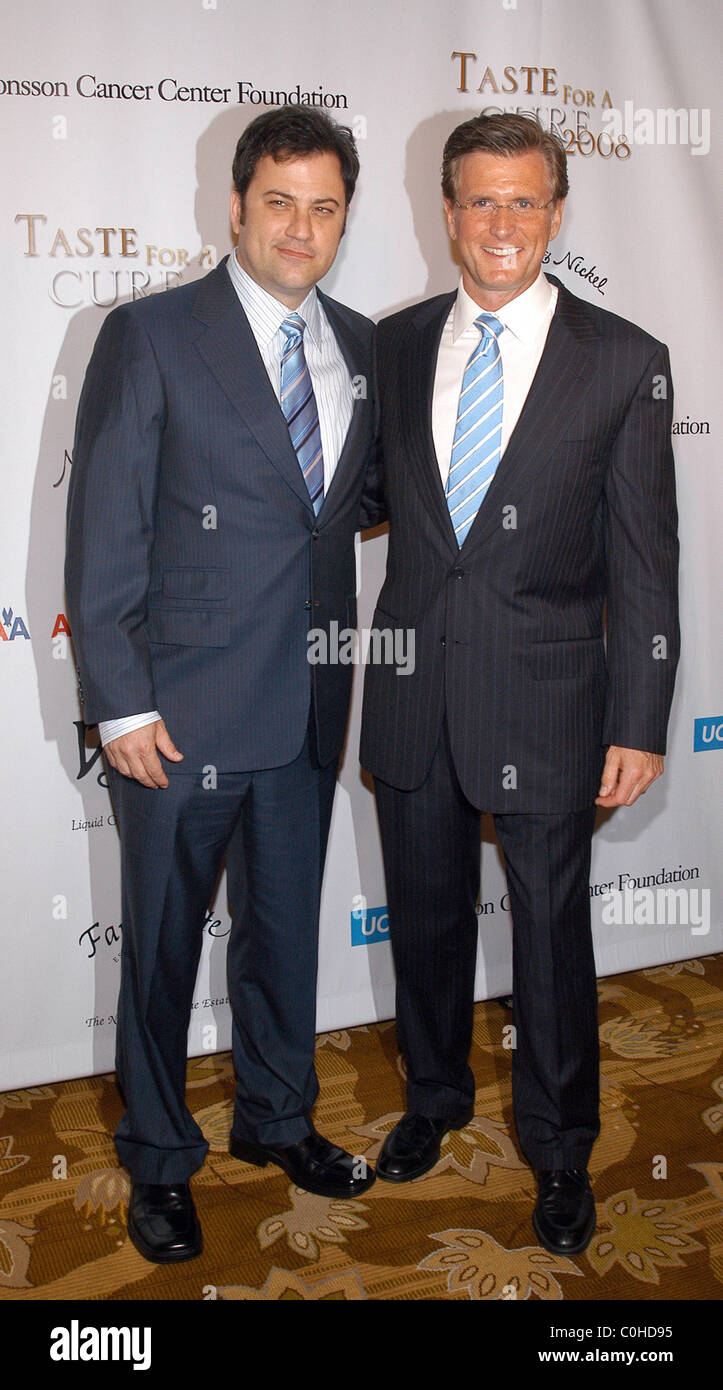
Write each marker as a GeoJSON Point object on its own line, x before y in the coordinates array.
{"type": "Point", "coordinates": [462, 1232]}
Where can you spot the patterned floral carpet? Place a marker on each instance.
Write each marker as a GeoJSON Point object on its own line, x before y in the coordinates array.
{"type": "Point", "coordinates": [461, 1232]}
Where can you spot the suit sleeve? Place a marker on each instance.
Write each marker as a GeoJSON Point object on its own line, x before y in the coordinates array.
{"type": "Point", "coordinates": [111, 503]}
{"type": "Point", "coordinates": [372, 507]}
{"type": "Point", "coordinates": [641, 548]}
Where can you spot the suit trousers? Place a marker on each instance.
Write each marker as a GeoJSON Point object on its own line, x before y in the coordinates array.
{"type": "Point", "coordinates": [273, 827]}
{"type": "Point", "coordinates": [431, 847]}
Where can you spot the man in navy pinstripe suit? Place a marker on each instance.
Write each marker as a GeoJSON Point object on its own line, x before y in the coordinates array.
{"type": "Point", "coordinates": [221, 448]}
{"type": "Point", "coordinates": [528, 482]}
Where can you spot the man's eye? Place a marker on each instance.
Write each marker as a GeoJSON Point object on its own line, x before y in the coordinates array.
{"type": "Point", "coordinates": [522, 204]}
{"type": "Point", "coordinates": [326, 212]}
{"type": "Point", "coordinates": [482, 204]}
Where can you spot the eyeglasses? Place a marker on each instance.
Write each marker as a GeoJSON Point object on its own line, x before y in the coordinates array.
{"type": "Point", "coordinates": [484, 208]}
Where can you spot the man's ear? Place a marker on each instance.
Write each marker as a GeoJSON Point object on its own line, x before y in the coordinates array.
{"type": "Point", "coordinates": [556, 218]}
{"type": "Point", "coordinates": [236, 211]}
{"type": "Point", "coordinates": [449, 212]}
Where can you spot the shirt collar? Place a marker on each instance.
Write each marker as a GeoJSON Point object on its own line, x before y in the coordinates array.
{"type": "Point", "coordinates": [523, 316]}
{"type": "Point", "coordinates": [265, 313]}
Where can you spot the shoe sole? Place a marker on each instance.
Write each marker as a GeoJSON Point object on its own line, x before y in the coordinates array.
{"type": "Point", "coordinates": [248, 1152]}
{"type": "Point", "coordinates": [578, 1249]}
{"type": "Point", "coordinates": [169, 1257]}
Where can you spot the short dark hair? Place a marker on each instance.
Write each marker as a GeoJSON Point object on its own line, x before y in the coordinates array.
{"type": "Point", "coordinates": [506, 134]}
{"type": "Point", "coordinates": [290, 132]}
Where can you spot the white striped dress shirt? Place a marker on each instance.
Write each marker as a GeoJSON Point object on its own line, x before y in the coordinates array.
{"type": "Point", "coordinates": [327, 368]}
{"type": "Point", "coordinates": [527, 321]}
{"type": "Point", "coordinates": [332, 389]}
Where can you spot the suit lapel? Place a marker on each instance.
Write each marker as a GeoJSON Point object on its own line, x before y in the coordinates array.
{"type": "Point", "coordinates": [563, 377]}
{"type": "Point", "coordinates": [358, 361]}
{"type": "Point", "coordinates": [416, 393]}
{"type": "Point", "coordinates": [228, 347]}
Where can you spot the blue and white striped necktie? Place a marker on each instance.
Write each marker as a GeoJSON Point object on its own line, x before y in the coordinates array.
{"type": "Point", "coordinates": [299, 406]}
{"type": "Point", "coordinates": [478, 431]}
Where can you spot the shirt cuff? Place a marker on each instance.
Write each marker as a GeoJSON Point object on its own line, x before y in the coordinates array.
{"type": "Point", "coordinates": [113, 728]}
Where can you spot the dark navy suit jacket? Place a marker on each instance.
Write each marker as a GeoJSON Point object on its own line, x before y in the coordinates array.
{"type": "Point", "coordinates": [195, 563]}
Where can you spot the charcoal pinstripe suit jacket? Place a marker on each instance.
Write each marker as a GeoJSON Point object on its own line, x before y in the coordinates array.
{"type": "Point", "coordinates": [195, 563]}
{"type": "Point", "coordinates": [509, 631]}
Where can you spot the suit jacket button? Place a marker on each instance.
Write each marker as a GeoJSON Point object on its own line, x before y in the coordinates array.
{"type": "Point", "coordinates": [443, 641]}
{"type": "Point", "coordinates": [459, 572]}
{"type": "Point", "coordinates": [315, 533]}
{"type": "Point", "coordinates": [307, 604]}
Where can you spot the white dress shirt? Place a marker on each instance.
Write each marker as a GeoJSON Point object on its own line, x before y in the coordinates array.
{"type": "Point", "coordinates": [332, 390]}
{"type": "Point", "coordinates": [526, 322]}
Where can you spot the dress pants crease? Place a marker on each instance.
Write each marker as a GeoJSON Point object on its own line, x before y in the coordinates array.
{"type": "Point", "coordinates": [555, 1063]}
{"type": "Point", "coordinates": [431, 846]}
{"type": "Point", "coordinates": [275, 865]}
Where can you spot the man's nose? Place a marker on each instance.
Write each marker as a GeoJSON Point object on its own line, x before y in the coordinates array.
{"type": "Point", "coordinates": [299, 225]}
{"type": "Point", "coordinates": [501, 220]}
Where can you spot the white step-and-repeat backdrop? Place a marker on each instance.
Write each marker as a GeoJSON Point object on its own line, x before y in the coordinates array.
{"type": "Point", "coordinates": [119, 129]}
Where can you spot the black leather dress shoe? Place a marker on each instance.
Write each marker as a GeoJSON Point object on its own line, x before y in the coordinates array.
{"type": "Point", "coordinates": [313, 1163]}
{"type": "Point", "coordinates": [414, 1145]}
{"type": "Point", "coordinates": [162, 1222]}
{"type": "Point", "coordinates": [564, 1218]}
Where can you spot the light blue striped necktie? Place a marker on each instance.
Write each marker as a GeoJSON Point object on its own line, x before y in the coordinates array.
{"type": "Point", "coordinates": [478, 432]}
{"type": "Point", "coordinates": [299, 406]}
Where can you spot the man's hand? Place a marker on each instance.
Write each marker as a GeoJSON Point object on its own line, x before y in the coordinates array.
{"type": "Point", "coordinates": [135, 754]}
{"type": "Point", "coordinates": [627, 773]}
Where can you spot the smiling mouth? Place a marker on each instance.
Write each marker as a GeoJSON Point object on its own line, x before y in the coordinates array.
{"type": "Point", "coordinates": [502, 250]}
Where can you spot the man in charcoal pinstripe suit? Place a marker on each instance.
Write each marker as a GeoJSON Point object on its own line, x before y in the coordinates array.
{"type": "Point", "coordinates": [528, 481]}
{"type": "Point", "coordinates": [221, 448]}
